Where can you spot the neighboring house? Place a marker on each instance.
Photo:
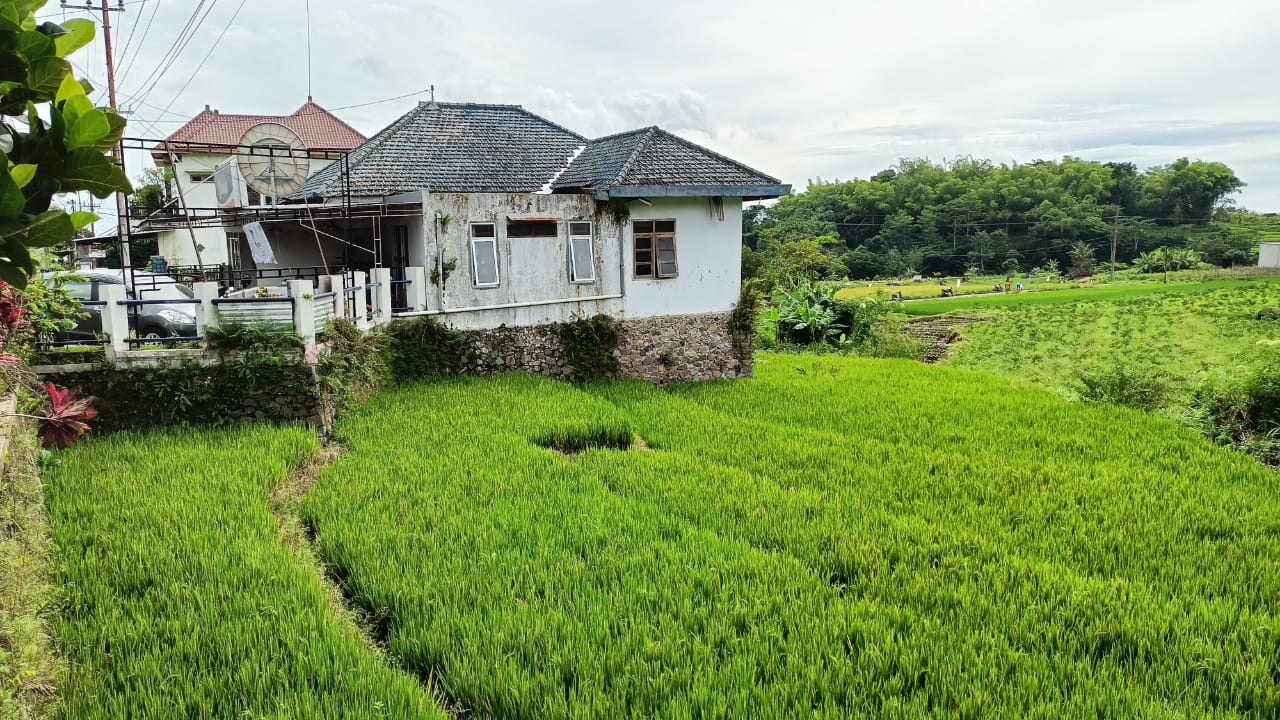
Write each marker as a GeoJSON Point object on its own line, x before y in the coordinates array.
{"type": "Point", "coordinates": [1269, 255]}
{"type": "Point", "coordinates": [199, 147]}
{"type": "Point", "coordinates": [541, 223]}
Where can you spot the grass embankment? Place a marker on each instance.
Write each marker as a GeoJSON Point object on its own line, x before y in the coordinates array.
{"type": "Point", "coordinates": [183, 601]}
{"type": "Point", "coordinates": [30, 669]}
{"type": "Point", "coordinates": [837, 538]}
{"type": "Point", "coordinates": [1187, 334]}
{"type": "Point", "coordinates": [1068, 295]}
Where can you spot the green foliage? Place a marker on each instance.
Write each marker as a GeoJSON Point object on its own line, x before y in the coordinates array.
{"type": "Point", "coordinates": [836, 538]}
{"type": "Point", "coordinates": [353, 364]}
{"type": "Point", "coordinates": [809, 259]}
{"type": "Point", "coordinates": [1240, 409]}
{"type": "Point", "coordinates": [63, 153]}
{"type": "Point", "coordinates": [590, 346]}
{"type": "Point", "coordinates": [153, 192]}
{"type": "Point", "coordinates": [808, 314]}
{"type": "Point", "coordinates": [423, 347]}
{"type": "Point", "coordinates": [228, 336]}
{"type": "Point", "coordinates": [922, 217]}
{"type": "Point", "coordinates": [179, 593]}
{"type": "Point", "coordinates": [1123, 384]}
{"type": "Point", "coordinates": [50, 308]}
{"type": "Point", "coordinates": [1164, 258]}
{"type": "Point", "coordinates": [743, 317]}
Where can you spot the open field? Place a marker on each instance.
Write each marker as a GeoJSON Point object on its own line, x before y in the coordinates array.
{"type": "Point", "coordinates": [181, 599]}
{"type": "Point", "coordinates": [1070, 295]}
{"type": "Point", "coordinates": [1186, 334]}
{"type": "Point", "coordinates": [837, 538]}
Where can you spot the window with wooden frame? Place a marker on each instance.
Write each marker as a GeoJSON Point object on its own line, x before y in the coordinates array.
{"type": "Point", "coordinates": [484, 255]}
{"type": "Point", "coordinates": [655, 249]}
{"type": "Point", "coordinates": [582, 261]}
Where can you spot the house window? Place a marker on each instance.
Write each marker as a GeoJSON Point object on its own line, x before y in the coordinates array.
{"type": "Point", "coordinates": [532, 229]}
{"type": "Point", "coordinates": [582, 263]}
{"type": "Point", "coordinates": [198, 177]}
{"type": "Point", "coordinates": [484, 255]}
{"type": "Point", "coordinates": [655, 248]}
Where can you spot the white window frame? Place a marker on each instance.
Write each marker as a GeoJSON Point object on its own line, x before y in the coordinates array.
{"type": "Point", "coordinates": [474, 242]}
{"type": "Point", "coordinates": [576, 273]}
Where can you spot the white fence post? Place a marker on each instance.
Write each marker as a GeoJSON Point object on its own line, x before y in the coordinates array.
{"type": "Point", "coordinates": [206, 293]}
{"type": "Point", "coordinates": [381, 295]}
{"type": "Point", "coordinates": [339, 298]}
{"type": "Point", "coordinates": [304, 314]}
{"type": "Point", "coordinates": [115, 318]}
{"type": "Point", "coordinates": [415, 293]}
{"type": "Point", "coordinates": [360, 300]}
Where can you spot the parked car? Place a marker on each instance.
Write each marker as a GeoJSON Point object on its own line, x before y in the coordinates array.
{"type": "Point", "coordinates": [153, 320]}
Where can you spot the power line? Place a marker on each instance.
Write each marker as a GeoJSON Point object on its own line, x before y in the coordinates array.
{"type": "Point", "coordinates": [133, 28]}
{"type": "Point", "coordinates": [205, 59]}
{"type": "Point", "coordinates": [175, 49]}
{"type": "Point", "coordinates": [174, 58]}
{"type": "Point", "coordinates": [141, 41]}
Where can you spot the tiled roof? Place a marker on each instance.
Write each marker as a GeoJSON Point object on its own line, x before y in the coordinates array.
{"type": "Point", "coordinates": [654, 157]}
{"type": "Point", "coordinates": [318, 128]}
{"type": "Point", "coordinates": [454, 147]}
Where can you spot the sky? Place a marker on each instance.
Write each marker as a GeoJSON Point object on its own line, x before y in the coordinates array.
{"type": "Point", "coordinates": [799, 89]}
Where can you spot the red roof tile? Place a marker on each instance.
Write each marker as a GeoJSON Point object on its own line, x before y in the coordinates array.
{"type": "Point", "coordinates": [318, 128]}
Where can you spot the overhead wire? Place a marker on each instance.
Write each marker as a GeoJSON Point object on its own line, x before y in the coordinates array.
{"type": "Point", "coordinates": [175, 49]}
{"type": "Point", "coordinates": [205, 59]}
{"type": "Point", "coordinates": [127, 65]}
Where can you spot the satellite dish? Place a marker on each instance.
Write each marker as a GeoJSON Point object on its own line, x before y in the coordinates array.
{"type": "Point", "coordinates": [273, 160]}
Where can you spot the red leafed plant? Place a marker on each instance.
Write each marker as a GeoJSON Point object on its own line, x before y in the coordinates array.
{"type": "Point", "coordinates": [65, 416]}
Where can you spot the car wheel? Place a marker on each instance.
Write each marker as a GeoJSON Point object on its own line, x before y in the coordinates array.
{"type": "Point", "coordinates": [153, 333]}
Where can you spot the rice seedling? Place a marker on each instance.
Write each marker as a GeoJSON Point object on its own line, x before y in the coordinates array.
{"type": "Point", "coordinates": [181, 601]}
{"type": "Point", "coordinates": [835, 538]}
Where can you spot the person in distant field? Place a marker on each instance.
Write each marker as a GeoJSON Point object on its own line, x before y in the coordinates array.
{"type": "Point", "coordinates": [996, 287]}
{"type": "Point", "coordinates": [1007, 285]}
{"type": "Point", "coordinates": [1019, 286]}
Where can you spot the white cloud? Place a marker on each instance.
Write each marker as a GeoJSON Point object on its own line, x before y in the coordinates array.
{"type": "Point", "coordinates": [800, 89]}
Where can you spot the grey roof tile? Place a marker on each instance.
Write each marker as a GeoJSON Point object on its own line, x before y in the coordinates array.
{"type": "Point", "coordinates": [453, 147]}
{"type": "Point", "coordinates": [653, 156]}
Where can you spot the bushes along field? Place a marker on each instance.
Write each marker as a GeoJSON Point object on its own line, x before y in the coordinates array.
{"type": "Point", "coordinates": [836, 538]}
{"type": "Point", "coordinates": [181, 601]}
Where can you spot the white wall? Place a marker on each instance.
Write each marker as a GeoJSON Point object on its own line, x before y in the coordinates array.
{"type": "Point", "coordinates": [176, 245]}
{"type": "Point", "coordinates": [530, 269]}
{"type": "Point", "coordinates": [1269, 255]}
{"type": "Point", "coordinates": [708, 256]}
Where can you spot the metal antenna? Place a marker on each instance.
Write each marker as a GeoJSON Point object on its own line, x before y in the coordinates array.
{"type": "Point", "coordinates": [308, 50]}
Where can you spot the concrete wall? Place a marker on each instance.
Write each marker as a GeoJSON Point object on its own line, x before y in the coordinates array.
{"type": "Point", "coordinates": [175, 245]}
{"type": "Point", "coordinates": [531, 270]}
{"type": "Point", "coordinates": [1269, 255]}
{"type": "Point", "coordinates": [708, 255]}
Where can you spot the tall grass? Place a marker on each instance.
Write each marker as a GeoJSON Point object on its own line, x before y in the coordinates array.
{"type": "Point", "coordinates": [1052, 296]}
{"type": "Point", "coordinates": [182, 602]}
{"type": "Point", "coordinates": [836, 538]}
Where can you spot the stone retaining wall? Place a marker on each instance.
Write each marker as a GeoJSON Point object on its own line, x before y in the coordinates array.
{"type": "Point", "coordinates": [661, 350]}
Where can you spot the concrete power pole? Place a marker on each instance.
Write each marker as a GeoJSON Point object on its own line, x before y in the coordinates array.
{"type": "Point", "coordinates": [122, 206]}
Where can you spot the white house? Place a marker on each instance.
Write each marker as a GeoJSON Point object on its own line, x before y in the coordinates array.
{"type": "Point", "coordinates": [1269, 255]}
{"type": "Point", "coordinates": [197, 149]}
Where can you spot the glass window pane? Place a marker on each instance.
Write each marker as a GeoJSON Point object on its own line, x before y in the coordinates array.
{"type": "Point", "coordinates": [482, 230]}
{"type": "Point", "coordinates": [579, 228]}
{"type": "Point", "coordinates": [644, 243]}
{"type": "Point", "coordinates": [665, 226]}
{"type": "Point", "coordinates": [79, 290]}
{"type": "Point", "coordinates": [582, 261]}
{"type": "Point", "coordinates": [485, 262]}
{"type": "Point", "coordinates": [644, 256]}
{"type": "Point", "coordinates": [642, 226]}
{"type": "Point", "coordinates": [644, 269]}
{"type": "Point", "coordinates": [666, 268]}
{"type": "Point", "coordinates": [667, 243]}
{"type": "Point", "coordinates": [532, 229]}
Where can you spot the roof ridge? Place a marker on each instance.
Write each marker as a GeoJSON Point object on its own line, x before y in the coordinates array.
{"type": "Point", "coordinates": [616, 135]}
{"type": "Point", "coordinates": [325, 111]}
{"type": "Point", "coordinates": [715, 154]}
{"type": "Point", "coordinates": [635, 153]}
{"type": "Point", "coordinates": [366, 148]}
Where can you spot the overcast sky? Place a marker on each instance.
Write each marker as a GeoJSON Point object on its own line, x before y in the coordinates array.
{"type": "Point", "coordinates": [799, 89]}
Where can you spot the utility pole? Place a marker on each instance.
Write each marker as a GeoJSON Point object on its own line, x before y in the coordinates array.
{"type": "Point", "coordinates": [122, 205]}
{"type": "Point", "coordinates": [1115, 235]}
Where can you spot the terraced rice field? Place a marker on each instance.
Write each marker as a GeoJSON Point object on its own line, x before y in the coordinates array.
{"type": "Point", "coordinates": [837, 538]}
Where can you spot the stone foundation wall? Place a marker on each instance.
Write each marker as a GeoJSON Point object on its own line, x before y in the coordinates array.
{"type": "Point", "coordinates": [661, 350]}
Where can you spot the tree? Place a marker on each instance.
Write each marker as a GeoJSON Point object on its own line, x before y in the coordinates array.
{"type": "Point", "coordinates": [1187, 191]}
{"type": "Point", "coordinates": [63, 153]}
{"type": "Point", "coordinates": [1082, 257]}
{"type": "Point", "coordinates": [155, 191]}
{"type": "Point", "coordinates": [862, 264]}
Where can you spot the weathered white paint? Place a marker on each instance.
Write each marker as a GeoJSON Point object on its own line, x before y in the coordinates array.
{"type": "Point", "coordinates": [201, 198]}
{"type": "Point", "coordinates": [1269, 255]}
{"type": "Point", "coordinates": [531, 270]}
{"type": "Point", "coordinates": [708, 254]}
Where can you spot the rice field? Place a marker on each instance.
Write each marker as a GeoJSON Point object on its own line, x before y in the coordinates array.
{"type": "Point", "coordinates": [1063, 295]}
{"type": "Point", "coordinates": [836, 538]}
{"type": "Point", "coordinates": [1187, 337]}
{"type": "Point", "coordinates": [181, 601]}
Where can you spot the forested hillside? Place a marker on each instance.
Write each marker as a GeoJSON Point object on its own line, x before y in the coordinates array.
{"type": "Point", "coordinates": [973, 216]}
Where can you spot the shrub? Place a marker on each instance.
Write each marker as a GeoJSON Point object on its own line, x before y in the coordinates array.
{"type": "Point", "coordinates": [353, 365]}
{"type": "Point", "coordinates": [424, 347]}
{"type": "Point", "coordinates": [1241, 410]}
{"type": "Point", "coordinates": [590, 345]}
{"type": "Point", "coordinates": [229, 336]}
{"type": "Point", "coordinates": [1123, 385]}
